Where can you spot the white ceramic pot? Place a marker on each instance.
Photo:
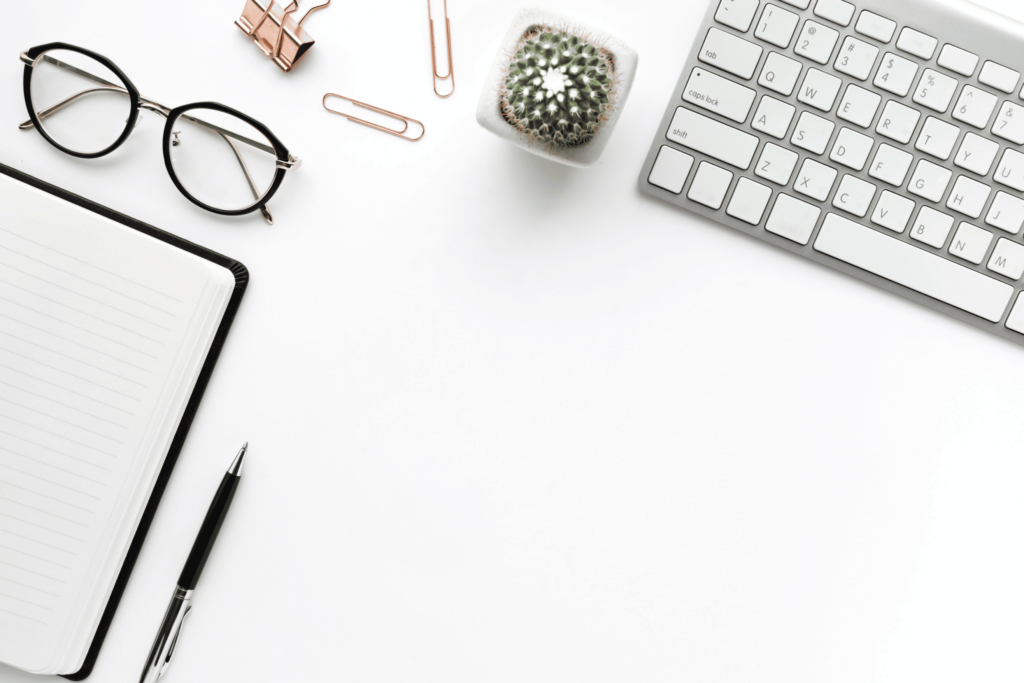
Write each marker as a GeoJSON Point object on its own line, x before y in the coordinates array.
{"type": "Point", "coordinates": [557, 87]}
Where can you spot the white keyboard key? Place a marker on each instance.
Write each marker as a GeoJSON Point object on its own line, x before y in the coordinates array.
{"type": "Point", "coordinates": [776, 26]}
{"type": "Point", "coordinates": [859, 106]}
{"type": "Point", "coordinates": [937, 138]}
{"type": "Point", "coordinates": [671, 169]}
{"type": "Point", "coordinates": [710, 185]}
{"type": "Point", "coordinates": [977, 154]}
{"type": "Point", "coordinates": [780, 74]}
{"type": "Point", "coordinates": [737, 13]}
{"type": "Point", "coordinates": [970, 243]}
{"type": "Point", "coordinates": [802, 4]}
{"type": "Point", "coordinates": [773, 117]}
{"type": "Point", "coordinates": [720, 95]}
{"type": "Point", "coordinates": [729, 53]}
{"type": "Point", "coordinates": [851, 149]}
{"type": "Point", "coordinates": [793, 219]}
{"type": "Point", "coordinates": [812, 133]}
{"type": "Point", "coordinates": [854, 196]}
{"type": "Point", "coordinates": [1007, 213]}
{"type": "Point", "coordinates": [1009, 124]}
{"type": "Point", "coordinates": [917, 43]}
{"type": "Point", "coordinates": [891, 165]}
{"type": "Point", "coordinates": [1015, 321]}
{"type": "Point", "coordinates": [932, 227]}
{"type": "Point", "coordinates": [958, 60]}
{"type": "Point", "coordinates": [874, 26]}
{"type": "Point", "coordinates": [968, 197]}
{"type": "Point", "coordinates": [1011, 170]}
{"type": "Point", "coordinates": [892, 212]}
{"type": "Point", "coordinates": [710, 137]}
{"type": "Point", "coordinates": [929, 181]}
{"type": "Point", "coordinates": [839, 11]}
{"type": "Point", "coordinates": [749, 201]}
{"type": "Point", "coordinates": [912, 267]}
{"type": "Point", "coordinates": [815, 180]}
{"type": "Point", "coordinates": [816, 42]}
{"type": "Point", "coordinates": [974, 106]}
{"type": "Point", "coordinates": [896, 75]}
{"type": "Point", "coordinates": [898, 122]}
{"type": "Point", "coordinates": [999, 77]}
{"type": "Point", "coordinates": [819, 90]}
{"type": "Point", "coordinates": [856, 58]}
{"type": "Point", "coordinates": [776, 164]}
{"type": "Point", "coordinates": [935, 90]}
{"type": "Point", "coordinates": [1007, 259]}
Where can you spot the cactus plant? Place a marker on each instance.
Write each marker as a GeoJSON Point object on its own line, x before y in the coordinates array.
{"type": "Point", "coordinates": [560, 87]}
{"type": "Point", "coordinates": [557, 87]}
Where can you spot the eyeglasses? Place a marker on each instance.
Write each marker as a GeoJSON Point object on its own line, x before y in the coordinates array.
{"type": "Point", "coordinates": [219, 158]}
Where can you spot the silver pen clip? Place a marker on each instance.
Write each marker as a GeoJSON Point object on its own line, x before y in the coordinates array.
{"type": "Point", "coordinates": [167, 637]}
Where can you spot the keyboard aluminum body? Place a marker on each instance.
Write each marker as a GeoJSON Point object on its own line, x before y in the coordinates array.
{"type": "Point", "coordinates": [885, 257]}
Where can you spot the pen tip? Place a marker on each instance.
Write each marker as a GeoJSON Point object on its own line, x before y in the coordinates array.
{"type": "Point", "coordinates": [236, 466]}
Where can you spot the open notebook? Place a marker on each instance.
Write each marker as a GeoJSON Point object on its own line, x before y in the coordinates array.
{"type": "Point", "coordinates": [105, 345]}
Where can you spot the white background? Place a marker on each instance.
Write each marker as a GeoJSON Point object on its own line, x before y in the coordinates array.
{"type": "Point", "coordinates": [516, 422]}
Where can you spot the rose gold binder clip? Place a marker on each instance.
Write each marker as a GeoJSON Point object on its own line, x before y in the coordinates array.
{"type": "Point", "coordinates": [433, 50]}
{"type": "Point", "coordinates": [275, 31]}
{"type": "Point", "coordinates": [390, 114]}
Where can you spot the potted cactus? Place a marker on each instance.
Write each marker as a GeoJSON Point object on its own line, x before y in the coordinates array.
{"type": "Point", "coordinates": [557, 87]}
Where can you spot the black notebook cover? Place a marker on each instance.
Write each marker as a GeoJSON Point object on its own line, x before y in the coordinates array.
{"type": "Point", "coordinates": [241, 282]}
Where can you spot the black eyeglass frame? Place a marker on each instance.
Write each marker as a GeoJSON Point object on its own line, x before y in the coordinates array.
{"type": "Point", "coordinates": [285, 161]}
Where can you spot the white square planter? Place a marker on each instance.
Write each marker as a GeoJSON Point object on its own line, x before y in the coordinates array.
{"type": "Point", "coordinates": [557, 87]}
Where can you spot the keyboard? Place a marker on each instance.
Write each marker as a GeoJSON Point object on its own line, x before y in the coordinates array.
{"type": "Point", "coordinates": [880, 138]}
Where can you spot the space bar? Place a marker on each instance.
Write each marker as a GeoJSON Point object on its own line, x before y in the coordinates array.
{"type": "Point", "coordinates": [913, 267]}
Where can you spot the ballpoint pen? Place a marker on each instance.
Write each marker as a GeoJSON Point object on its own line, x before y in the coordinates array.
{"type": "Point", "coordinates": [170, 627]}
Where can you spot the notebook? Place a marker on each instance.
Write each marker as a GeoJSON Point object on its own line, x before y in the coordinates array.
{"type": "Point", "coordinates": [109, 330]}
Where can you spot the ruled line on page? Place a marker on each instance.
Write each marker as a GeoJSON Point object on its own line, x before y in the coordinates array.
{"type": "Point", "coordinates": [84, 296]}
{"type": "Point", "coordinates": [72, 341]}
{"type": "Point", "coordinates": [90, 315]}
{"type": "Point", "coordinates": [35, 557]}
{"type": "Point", "coordinates": [7, 611]}
{"type": "Point", "coordinates": [34, 572]}
{"type": "Point", "coordinates": [43, 527]}
{"type": "Point", "coordinates": [85, 279]}
{"type": "Point", "coordinates": [43, 495]}
{"type": "Point", "coordinates": [40, 462]}
{"type": "Point", "coordinates": [70, 391]}
{"type": "Point", "coordinates": [64, 405]}
{"type": "Point", "coordinates": [61, 436]}
{"type": "Point", "coordinates": [36, 540]}
{"type": "Point", "coordinates": [27, 602]}
{"type": "Point", "coordinates": [70, 374]}
{"type": "Point", "coordinates": [19, 583]}
{"type": "Point", "coordinates": [44, 512]}
{"type": "Point", "coordinates": [92, 265]}
{"type": "Point", "coordinates": [54, 450]}
{"type": "Point", "coordinates": [77, 360]}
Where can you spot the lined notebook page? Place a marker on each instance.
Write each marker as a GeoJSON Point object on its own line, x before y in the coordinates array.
{"type": "Point", "coordinates": [102, 331]}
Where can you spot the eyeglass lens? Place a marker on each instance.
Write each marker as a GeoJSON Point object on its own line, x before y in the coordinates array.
{"type": "Point", "coordinates": [83, 106]}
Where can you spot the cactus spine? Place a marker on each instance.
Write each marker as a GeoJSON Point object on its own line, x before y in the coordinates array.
{"type": "Point", "coordinates": [559, 89]}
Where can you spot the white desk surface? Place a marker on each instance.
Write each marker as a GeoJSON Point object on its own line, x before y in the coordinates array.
{"type": "Point", "coordinates": [516, 422]}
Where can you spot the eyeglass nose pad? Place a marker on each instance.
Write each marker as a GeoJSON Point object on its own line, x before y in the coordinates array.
{"type": "Point", "coordinates": [138, 120]}
{"type": "Point", "coordinates": [176, 142]}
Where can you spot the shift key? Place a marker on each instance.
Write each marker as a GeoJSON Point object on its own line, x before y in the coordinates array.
{"type": "Point", "coordinates": [720, 95]}
{"type": "Point", "coordinates": [729, 53]}
{"type": "Point", "coordinates": [717, 140]}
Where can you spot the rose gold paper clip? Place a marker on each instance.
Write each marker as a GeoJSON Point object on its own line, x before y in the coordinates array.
{"type": "Point", "coordinates": [433, 50]}
{"type": "Point", "coordinates": [275, 32]}
{"type": "Point", "coordinates": [390, 114]}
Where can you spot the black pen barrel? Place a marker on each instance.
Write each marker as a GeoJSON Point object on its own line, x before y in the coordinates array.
{"type": "Point", "coordinates": [208, 532]}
